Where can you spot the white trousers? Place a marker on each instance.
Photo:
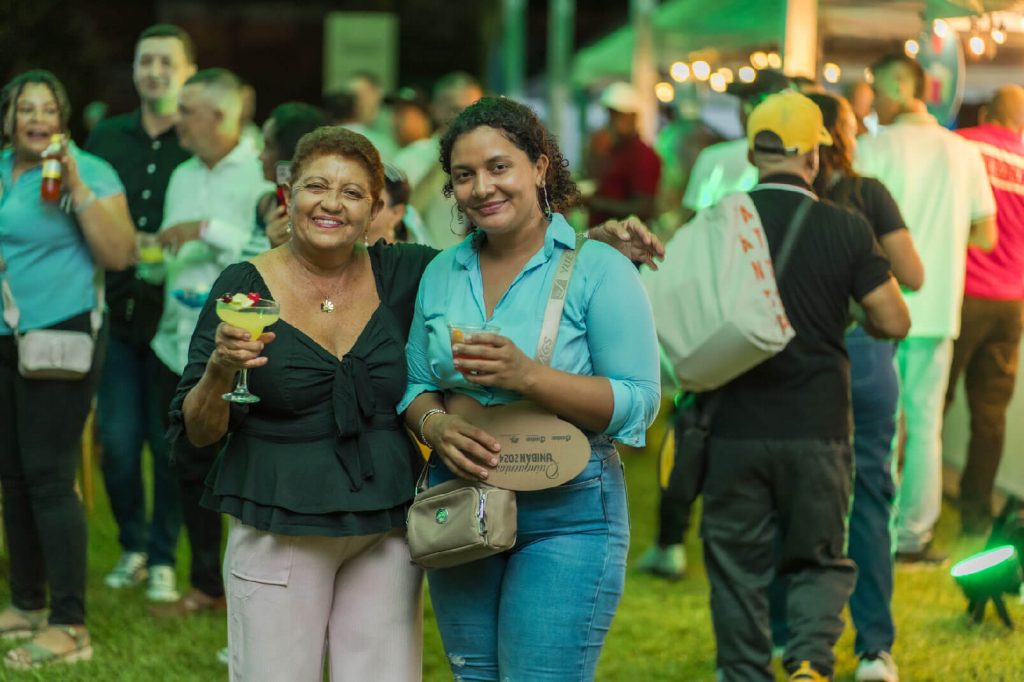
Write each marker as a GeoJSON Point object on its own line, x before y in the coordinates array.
{"type": "Point", "coordinates": [923, 368]}
{"type": "Point", "coordinates": [294, 600]}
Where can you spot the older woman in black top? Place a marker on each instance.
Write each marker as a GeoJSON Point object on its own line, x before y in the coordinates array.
{"type": "Point", "coordinates": [318, 475]}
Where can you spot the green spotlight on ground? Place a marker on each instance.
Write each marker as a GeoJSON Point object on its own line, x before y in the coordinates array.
{"type": "Point", "coordinates": [987, 576]}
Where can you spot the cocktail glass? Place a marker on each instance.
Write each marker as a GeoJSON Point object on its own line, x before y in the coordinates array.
{"type": "Point", "coordinates": [150, 267]}
{"type": "Point", "coordinates": [458, 331]}
{"type": "Point", "coordinates": [253, 319]}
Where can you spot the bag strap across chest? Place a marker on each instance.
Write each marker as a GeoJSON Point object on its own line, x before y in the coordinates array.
{"type": "Point", "coordinates": [556, 302]}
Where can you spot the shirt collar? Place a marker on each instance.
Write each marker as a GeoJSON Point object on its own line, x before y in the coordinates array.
{"type": "Point", "coordinates": [785, 179]}
{"type": "Point", "coordinates": [996, 130]}
{"type": "Point", "coordinates": [243, 152]}
{"type": "Point", "coordinates": [559, 230]}
{"type": "Point", "coordinates": [916, 118]}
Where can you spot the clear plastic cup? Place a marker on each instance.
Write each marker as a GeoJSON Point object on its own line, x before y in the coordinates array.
{"type": "Point", "coordinates": [458, 331]}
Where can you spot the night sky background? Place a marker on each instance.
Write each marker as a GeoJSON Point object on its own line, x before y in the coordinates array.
{"type": "Point", "coordinates": [277, 46]}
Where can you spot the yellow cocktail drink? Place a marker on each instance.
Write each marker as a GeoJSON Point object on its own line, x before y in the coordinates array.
{"type": "Point", "coordinates": [253, 320]}
{"type": "Point", "coordinates": [253, 314]}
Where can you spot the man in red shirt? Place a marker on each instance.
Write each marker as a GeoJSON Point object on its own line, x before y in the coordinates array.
{"type": "Point", "coordinates": [986, 352]}
{"type": "Point", "coordinates": [627, 182]}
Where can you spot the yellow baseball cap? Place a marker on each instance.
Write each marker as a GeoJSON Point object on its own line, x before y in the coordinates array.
{"type": "Point", "coordinates": [794, 120]}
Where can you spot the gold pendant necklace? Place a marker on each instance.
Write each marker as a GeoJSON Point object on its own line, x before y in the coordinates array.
{"type": "Point", "coordinates": [326, 305]}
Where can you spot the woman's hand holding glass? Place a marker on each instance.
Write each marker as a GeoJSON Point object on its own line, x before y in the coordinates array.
{"type": "Point", "coordinates": [494, 361]}
{"type": "Point", "coordinates": [235, 350]}
{"type": "Point", "coordinates": [467, 451]}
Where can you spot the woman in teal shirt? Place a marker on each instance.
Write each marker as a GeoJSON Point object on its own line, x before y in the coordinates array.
{"type": "Point", "coordinates": [568, 568]}
{"type": "Point", "coordinates": [51, 252]}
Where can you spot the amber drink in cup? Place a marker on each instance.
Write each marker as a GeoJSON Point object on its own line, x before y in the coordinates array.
{"type": "Point", "coordinates": [459, 331]}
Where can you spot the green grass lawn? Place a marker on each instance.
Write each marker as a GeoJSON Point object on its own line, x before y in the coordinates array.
{"type": "Point", "coordinates": [662, 630]}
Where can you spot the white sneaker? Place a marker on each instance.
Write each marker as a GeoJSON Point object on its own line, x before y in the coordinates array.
{"type": "Point", "coordinates": [163, 584]}
{"type": "Point", "coordinates": [130, 570]}
{"type": "Point", "coordinates": [877, 668]}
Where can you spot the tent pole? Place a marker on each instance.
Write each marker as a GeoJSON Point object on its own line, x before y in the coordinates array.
{"type": "Point", "coordinates": [800, 42]}
{"type": "Point", "coordinates": [513, 46]}
{"type": "Point", "coordinates": [645, 65]}
{"type": "Point", "coordinates": [560, 48]}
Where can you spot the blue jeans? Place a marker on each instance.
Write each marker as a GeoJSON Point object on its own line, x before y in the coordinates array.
{"type": "Point", "coordinates": [541, 611]}
{"type": "Point", "coordinates": [875, 389]}
{"type": "Point", "coordinates": [130, 412]}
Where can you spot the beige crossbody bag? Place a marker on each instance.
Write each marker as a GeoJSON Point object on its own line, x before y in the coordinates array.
{"type": "Point", "coordinates": [459, 521]}
{"type": "Point", "coordinates": [55, 354]}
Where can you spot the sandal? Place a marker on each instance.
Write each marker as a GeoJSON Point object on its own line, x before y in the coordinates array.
{"type": "Point", "coordinates": [42, 652]}
{"type": "Point", "coordinates": [18, 624]}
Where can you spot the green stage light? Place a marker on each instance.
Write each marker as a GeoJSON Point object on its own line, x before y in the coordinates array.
{"type": "Point", "coordinates": [986, 577]}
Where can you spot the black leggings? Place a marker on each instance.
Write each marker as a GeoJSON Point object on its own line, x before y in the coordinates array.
{"type": "Point", "coordinates": [41, 424]}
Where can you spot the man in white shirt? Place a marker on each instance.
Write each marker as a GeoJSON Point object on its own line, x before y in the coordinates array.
{"type": "Point", "coordinates": [421, 163]}
{"type": "Point", "coordinates": [939, 181]}
{"type": "Point", "coordinates": [208, 218]}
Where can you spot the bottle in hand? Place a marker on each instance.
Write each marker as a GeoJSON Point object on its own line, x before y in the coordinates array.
{"type": "Point", "coordinates": [50, 189]}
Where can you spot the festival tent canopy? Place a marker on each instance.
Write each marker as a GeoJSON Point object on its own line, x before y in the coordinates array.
{"type": "Point", "coordinates": [682, 27]}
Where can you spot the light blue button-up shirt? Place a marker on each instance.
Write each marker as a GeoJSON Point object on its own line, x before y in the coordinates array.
{"type": "Point", "coordinates": [49, 265]}
{"type": "Point", "coordinates": [607, 328]}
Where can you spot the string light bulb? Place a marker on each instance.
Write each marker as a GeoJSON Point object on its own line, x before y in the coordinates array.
{"type": "Point", "coordinates": [701, 70]}
{"type": "Point", "coordinates": [940, 28]}
{"type": "Point", "coordinates": [664, 92]}
{"type": "Point", "coordinates": [976, 45]}
{"type": "Point", "coordinates": [774, 60]}
{"type": "Point", "coordinates": [998, 36]}
{"type": "Point", "coordinates": [759, 60]}
{"type": "Point", "coordinates": [831, 72]}
{"type": "Point", "coordinates": [912, 48]}
{"type": "Point", "coordinates": [747, 74]}
{"type": "Point", "coordinates": [680, 72]}
{"type": "Point", "coordinates": [717, 82]}
{"type": "Point", "coordinates": [727, 74]}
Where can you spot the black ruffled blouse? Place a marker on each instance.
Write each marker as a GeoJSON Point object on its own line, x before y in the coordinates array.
{"type": "Point", "coordinates": [323, 452]}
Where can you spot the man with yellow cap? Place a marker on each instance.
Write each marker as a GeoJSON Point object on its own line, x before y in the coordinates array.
{"type": "Point", "coordinates": [779, 457]}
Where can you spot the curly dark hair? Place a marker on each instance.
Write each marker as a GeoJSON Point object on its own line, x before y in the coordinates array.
{"type": "Point", "coordinates": [338, 141]}
{"type": "Point", "coordinates": [9, 100]}
{"type": "Point", "coordinates": [524, 129]}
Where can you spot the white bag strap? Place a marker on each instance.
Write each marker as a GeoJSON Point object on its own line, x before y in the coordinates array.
{"type": "Point", "coordinates": [556, 302]}
{"type": "Point", "coordinates": [12, 314]}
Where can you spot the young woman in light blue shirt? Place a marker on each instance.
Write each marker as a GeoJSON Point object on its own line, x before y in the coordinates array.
{"type": "Point", "coordinates": [541, 610]}
{"type": "Point", "coordinates": [51, 251]}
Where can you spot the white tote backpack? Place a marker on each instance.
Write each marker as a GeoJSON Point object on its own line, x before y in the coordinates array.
{"type": "Point", "coordinates": [715, 299]}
